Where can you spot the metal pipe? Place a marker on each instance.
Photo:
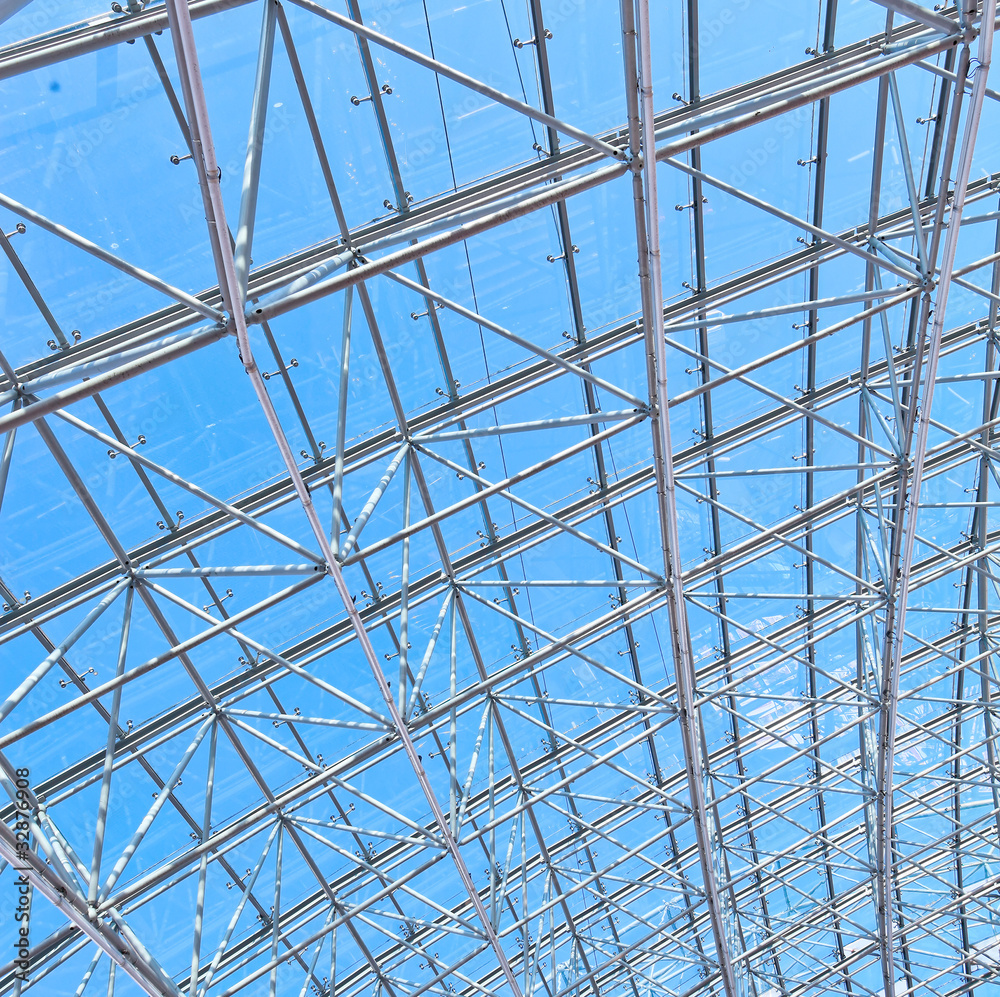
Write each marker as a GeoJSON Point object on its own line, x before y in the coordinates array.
{"type": "Point", "coordinates": [255, 150]}
{"type": "Point", "coordinates": [276, 911]}
{"type": "Point", "coordinates": [209, 176]}
{"type": "Point", "coordinates": [711, 320]}
{"type": "Point", "coordinates": [109, 757]}
{"type": "Point", "coordinates": [946, 74]}
{"type": "Point", "coordinates": [702, 128]}
{"type": "Point", "coordinates": [277, 658]}
{"type": "Point", "coordinates": [432, 641]}
{"type": "Point", "coordinates": [560, 582]}
{"type": "Point", "coordinates": [31, 288]}
{"type": "Point", "coordinates": [150, 664]}
{"type": "Point", "coordinates": [452, 745]}
{"type": "Point", "coordinates": [604, 548]}
{"type": "Point", "coordinates": [523, 427]}
{"type": "Point", "coordinates": [513, 337]}
{"type": "Point", "coordinates": [462, 232]}
{"type": "Point", "coordinates": [917, 13]}
{"type": "Point", "coordinates": [89, 368]}
{"type": "Point", "coordinates": [504, 484]}
{"type": "Point", "coordinates": [345, 383]}
{"type": "Point", "coordinates": [5, 457]}
{"type": "Point", "coordinates": [40, 671]}
{"type": "Point", "coordinates": [373, 500]}
{"type": "Point", "coordinates": [907, 526]}
{"type": "Point", "coordinates": [206, 828]}
{"type": "Point", "coordinates": [247, 889]}
{"type": "Point", "coordinates": [101, 32]}
{"type": "Point", "coordinates": [311, 973]}
{"type": "Point", "coordinates": [455, 76]}
{"type": "Point", "coordinates": [61, 232]}
{"type": "Point", "coordinates": [788, 349]}
{"type": "Point", "coordinates": [158, 803]}
{"type": "Point", "coordinates": [184, 484]}
{"type": "Point", "coordinates": [122, 951]}
{"type": "Point", "coordinates": [258, 311]}
{"type": "Point", "coordinates": [247, 570]}
{"type": "Point", "coordinates": [835, 240]}
{"type": "Point", "coordinates": [647, 226]}
{"type": "Point", "coordinates": [911, 185]}
{"type": "Point", "coordinates": [39, 408]}
{"type": "Point", "coordinates": [307, 107]}
{"type": "Point", "coordinates": [404, 594]}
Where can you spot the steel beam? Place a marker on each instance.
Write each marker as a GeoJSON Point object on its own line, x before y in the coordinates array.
{"type": "Point", "coordinates": [149, 976]}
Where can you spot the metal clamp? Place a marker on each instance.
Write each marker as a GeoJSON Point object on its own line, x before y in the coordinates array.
{"type": "Point", "coordinates": [416, 315]}
{"type": "Point", "coordinates": [358, 101]}
{"type": "Point", "coordinates": [140, 441]}
{"type": "Point", "coordinates": [63, 683]}
{"type": "Point", "coordinates": [531, 41]}
{"type": "Point", "coordinates": [281, 723]}
{"type": "Point", "coordinates": [308, 456]}
{"type": "Point", "coordinates": [389, 206]}
{"type": "Point", "coordinates": [53, 345]}
{"type": "Point", "coordinates": [562, 256]}
{"type": "Point", "coordinates": [281, 370]}
{"type": "Point", "coordinates": [228, 595]}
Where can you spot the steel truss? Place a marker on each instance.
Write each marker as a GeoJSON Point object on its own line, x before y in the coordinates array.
{"type": "Point", "coordinates": [524, 687]}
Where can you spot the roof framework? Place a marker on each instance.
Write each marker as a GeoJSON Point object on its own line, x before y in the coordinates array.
{"type": "Point", "coordinates": [374, 624]}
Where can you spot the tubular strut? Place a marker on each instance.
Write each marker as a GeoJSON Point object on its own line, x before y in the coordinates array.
{"type": "Point", "coordinates": [137, 964]}
{"type": "Point", "coordinates": [648, 238]}
{"type": "Point", "coordinates": [906, 520]}
{"type": "Point", "coordinates": [209, 178]}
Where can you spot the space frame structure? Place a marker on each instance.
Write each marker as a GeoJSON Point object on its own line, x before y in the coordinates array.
{"type": "Point", "coordinates": [521, 686]}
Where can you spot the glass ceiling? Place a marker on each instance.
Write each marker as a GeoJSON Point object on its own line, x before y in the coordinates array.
{"type": "Point", "coordinates": [496, 498]}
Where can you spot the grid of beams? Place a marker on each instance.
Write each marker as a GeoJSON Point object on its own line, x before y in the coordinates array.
{"type": "Point", "coordinates": [446, 658]}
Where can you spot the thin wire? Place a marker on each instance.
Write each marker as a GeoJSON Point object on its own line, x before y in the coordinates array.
{"type": "Point", "coordinates": [465, 246]}
{"type": "Point", "coordinates": [444, 118]}
{"type": "Point", "coordinates": [517, 65]}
